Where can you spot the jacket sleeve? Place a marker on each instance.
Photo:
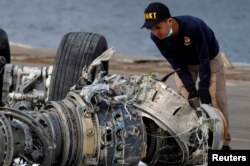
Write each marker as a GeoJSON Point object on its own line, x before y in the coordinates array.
{"type": "Point", "coordinates": [202, 45]}
{"type": "Point", "coordinates": [182, 70]}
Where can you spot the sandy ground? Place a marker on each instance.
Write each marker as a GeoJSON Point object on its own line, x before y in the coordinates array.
{"type": "Point", "coordinates": [119, 64]}
{"type": "Point", "coordinates": [238, 84]}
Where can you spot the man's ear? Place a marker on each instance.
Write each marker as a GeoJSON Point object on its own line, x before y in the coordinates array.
{"type": "Point", "coordinates": [169, 20]}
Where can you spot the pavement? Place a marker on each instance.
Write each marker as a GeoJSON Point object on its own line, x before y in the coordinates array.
{"type": "Point", "coordinates": [238, 94]}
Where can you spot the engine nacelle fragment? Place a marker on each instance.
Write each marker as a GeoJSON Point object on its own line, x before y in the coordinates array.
{"type": "Point", "coordinates": [115, 120]}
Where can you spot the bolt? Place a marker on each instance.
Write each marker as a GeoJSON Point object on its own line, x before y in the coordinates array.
{"type": "Point", "coordinates": [120, 147]}
{"type": "Point", "coordinates": [120, 161]}
{"type": "Point", "coordinates": [90, 132]}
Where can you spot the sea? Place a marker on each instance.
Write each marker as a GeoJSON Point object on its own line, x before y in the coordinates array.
{"type": "Point", "coordinates": [42, 23]}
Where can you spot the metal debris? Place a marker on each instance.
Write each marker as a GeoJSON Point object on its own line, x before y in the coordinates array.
{"type": "Point", "coordinates": [116, 120]}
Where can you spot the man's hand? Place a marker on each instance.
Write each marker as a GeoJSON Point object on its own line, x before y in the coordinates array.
{"type": "Point", "coordinates": [205, 96]}
{"type": "Point", "coordinates": [193, 99]}
{"type": "Point", "coordinates": [194, 102]}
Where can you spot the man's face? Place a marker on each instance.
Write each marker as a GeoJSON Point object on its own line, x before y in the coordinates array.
{"type": "Point", "coordinates": [161, 30]}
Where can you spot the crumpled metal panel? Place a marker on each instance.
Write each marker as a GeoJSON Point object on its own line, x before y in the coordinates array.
{"type": "Point", "coordinates": [169, 110]}
{"type": "Point", "coordinates": [216, 121]}
{"type": "Point", "coordinates": [169, 107]}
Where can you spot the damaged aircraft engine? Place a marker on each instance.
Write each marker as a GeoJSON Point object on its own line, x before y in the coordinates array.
{"type": "Point", "coordinates": [103, 120]}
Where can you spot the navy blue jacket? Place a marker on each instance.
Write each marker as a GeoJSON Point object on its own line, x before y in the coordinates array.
{"type": "Point", "coordinates": [195, 44]}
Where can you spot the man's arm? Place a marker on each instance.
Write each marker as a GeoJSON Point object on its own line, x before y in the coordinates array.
{"type": "Point", "coordinates": [202, 46]}
{"type": "Point", "coordinates": [183, 72]}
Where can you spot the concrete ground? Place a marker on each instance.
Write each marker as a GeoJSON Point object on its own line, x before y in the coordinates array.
{"type": "Point", "coordinates": [238, 94]}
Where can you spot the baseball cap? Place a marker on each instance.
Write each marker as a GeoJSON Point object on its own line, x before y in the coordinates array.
{"type": "Point", "coordinates": [154, 14]}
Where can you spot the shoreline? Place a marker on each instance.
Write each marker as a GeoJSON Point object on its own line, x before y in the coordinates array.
{"type": "Point", "coordinates": [126, 65]}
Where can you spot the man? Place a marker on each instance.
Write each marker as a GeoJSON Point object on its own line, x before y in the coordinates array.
{"type": "Point", "coordinates": [191, 48]}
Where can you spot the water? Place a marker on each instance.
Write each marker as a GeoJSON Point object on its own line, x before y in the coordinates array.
{"type": "Point", "coordinates": [42, 23]}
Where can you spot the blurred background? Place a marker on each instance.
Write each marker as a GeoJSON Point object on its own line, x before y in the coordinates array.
{"type": "Point", "coordinates": [42, 23]}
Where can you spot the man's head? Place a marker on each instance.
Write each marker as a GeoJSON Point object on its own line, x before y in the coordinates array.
{"type": "Point", "coordinates": [158, 19]}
